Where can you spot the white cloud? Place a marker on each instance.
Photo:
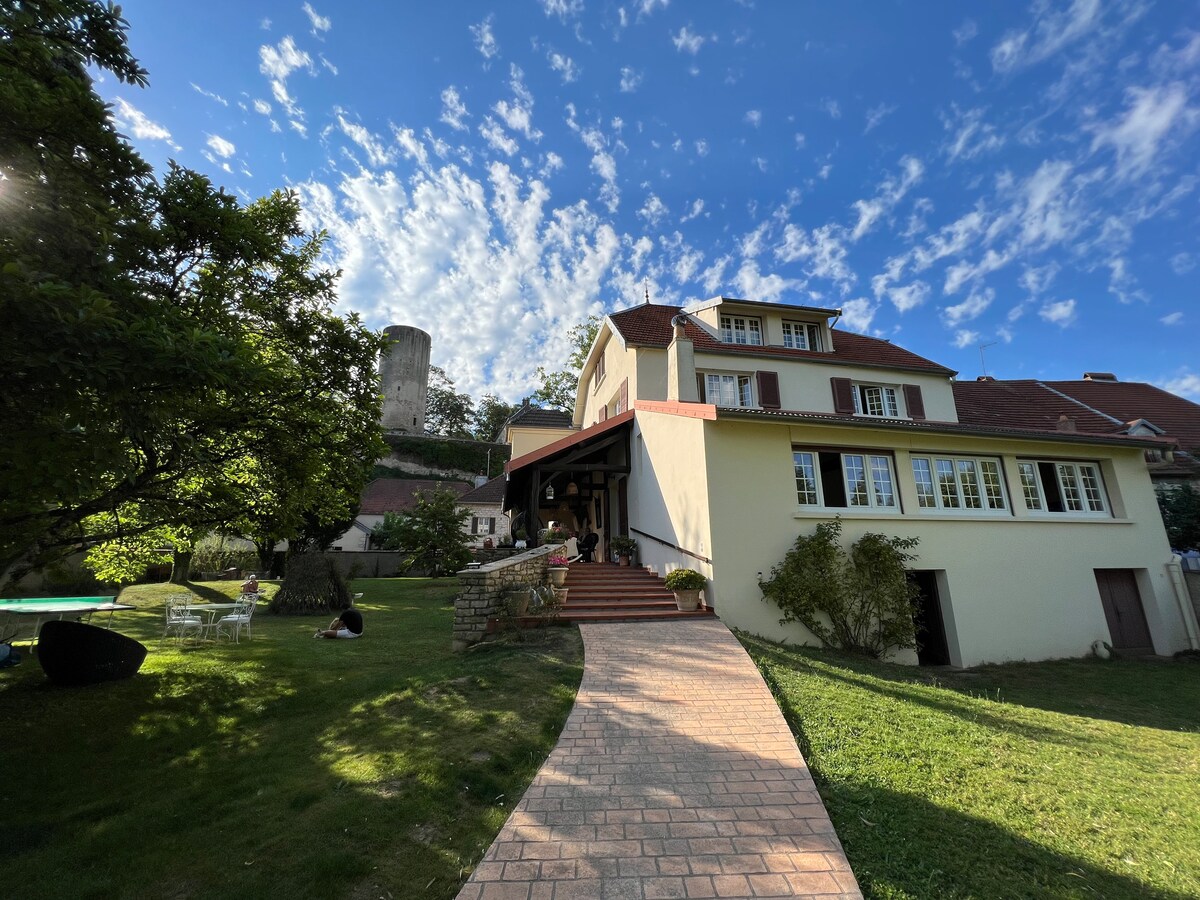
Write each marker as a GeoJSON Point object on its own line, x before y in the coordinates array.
{"type": "Point", "coordinates": [877, 114]}
{"type": "Point", "coordinates": [262, 107]}
{"type": "Point", "coordinates": [822, 249]}
{"type": "Point", "coordinates": [603, 164]}
{"type": "Point", "coordinates": [831, 107]}
{"type": "Point", "coordinates": [713, 278]}
{"type": "Point", "coordinates": [1053, 28]}
{"type": "Point", "coordinates": [1151, 115]}
{"type": "Point", "coordinates": [564, 66]}
{"type": "Point", "coordinates": [1182, 263]}
{"type": "Point", "coordinates": [697, 208]}
{"type": "Point", "coordinates": [320, 23]}
{"type": "Point", "coordinates": [754, 117]}
{"type": "Point", "coordinates": [964, 338]}
{"type": "Point", "coordinates": [453, 109]}
{"type": "Point", "coordinates": [278, 63]}
{"type": "Point", "coordinates": [333, 70]}
{"type": "Point", "coordinates": [971, 136]}
{"type": "Point", "coordinates": [217, 98]}
{"type": "Point", "coordinates": [1185, 384]}
{"type": "Point", "coordinates": [1037, 280]}
{"type": "Point", "coordinates": [220, 146]}
{"type": "Point", "coordinates": [553, 163]}
{"type": "Point", "coordinates": [965, 32]}
{"type": "Point", "coordinates": [702, 148]}
{"type": "Point", "coordinates": [139, 124]}
{"type": "Point", "coordinates": [631, 80]}
{"type": "Point", "coordinates": [646, 7]}
{"type": "Point", "coordinates": [971, 308]}
{"type": "Point", "coordinates": [518, 115]}
{"type": "Point", "coordinates": [485, 41]}
{"type": "Point", "coordinates": [564, 9]}
{"type": "Point", "coordinates": [750, 282]}
{"type": "Point", "coordinates": [800, 140]}
{"type": "Point", "coordinates": [890, 192]}
{"type": "Point", "coordinates": [1061, 313]}
{"type": "Point", "coordinates": [1172, 318]}
{"type": "Point", "coordinates": [857, 314]}
{"type": "Point", "coordinates": [909, 296]}
{"type": "Point", "coordinates": [493, 132]}
{"type": "Point", "coordinates": [377, 153]}
{"type": "Point", "coordinates": [687, 41]}
{"type": "Point", "coordinates": [653, 211]}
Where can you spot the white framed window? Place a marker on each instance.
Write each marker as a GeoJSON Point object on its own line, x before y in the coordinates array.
{"type": "Point", "coordinates": [828, 479]}
{"type": "Point", "coordinates": [721, 389]}
{"type": "Point", "coordinates": [801, 336]}
{"type": "Point", "coordinates": [1061, 487]}
{"type": "Point", "coordinates": [483, 525]}
{"type": "Point", "coordinates": [964, 483]}
{"type": "Point", "coordinates": [598, 375]}
{"type": "Point", "coordinates": [875, 400]}
{"type": "Point", "coordinates": [741, 330]}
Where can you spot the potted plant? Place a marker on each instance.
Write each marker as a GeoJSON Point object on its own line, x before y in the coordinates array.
{"type": "Point", "coordinates": [623, 545]}
{"type": "Point", "coordinates": [519, 534]}
{"type": "Point", "coordinates": [687, 585]}
{"type": "Point", "coordinates": [558, 569]}
{"type": "Point", "coordinates": [517, 600]}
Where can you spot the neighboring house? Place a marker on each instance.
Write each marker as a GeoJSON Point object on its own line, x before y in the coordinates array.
{"type": "Point", "coordinates": [717, 433]}
{"type": "Point", "coordinates": [531, 427]}
{"type": "Point", "coordinates": [1099, 404]}
{"type": "Point", "coordinates": [385, 495]}
{"type": "Point", "coordinates": [487, 520]}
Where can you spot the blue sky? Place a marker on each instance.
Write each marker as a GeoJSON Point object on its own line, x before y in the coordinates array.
{"type": "Point", "coordinates": [950, 174]}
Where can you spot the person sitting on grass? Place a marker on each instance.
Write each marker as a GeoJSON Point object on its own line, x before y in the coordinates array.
{"type": "Point", "coordinates": [250, 585]}
{"type": "Point", "coordinates": [348, 624]}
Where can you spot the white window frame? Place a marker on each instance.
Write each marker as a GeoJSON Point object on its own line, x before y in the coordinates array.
{"type": "Point", "coordinates": [1071, 481]}
{"type": "Point", "coordinates": [746, 331]}
{"type": "Point", "coordinates": [887, 400]}
{"type": "Point", "coordinates": [741, 383]}
{"type": "Point", "coordinates": [801, 335]}
{"type": "Point", "coordinates": [880, 495]}
{"type": "Point", "coordinates": [968, 484]}
{"type": "Point", "coordinates": [486, 523]}
{"type": "Point", "coordinates": [598, 373]}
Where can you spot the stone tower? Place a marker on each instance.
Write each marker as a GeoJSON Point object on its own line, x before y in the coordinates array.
{"type": "Point", "coordinates": [404, 376]}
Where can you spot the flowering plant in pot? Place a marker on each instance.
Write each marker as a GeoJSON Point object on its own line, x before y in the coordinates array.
{"type": "Point", "coordinates": [687, 585]}
{"type": "Point", "coordinates": [623, 545]}
{"type": "Point", "coordinates": [558, 569]}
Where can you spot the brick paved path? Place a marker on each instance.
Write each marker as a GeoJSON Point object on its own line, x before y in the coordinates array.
{"type": "Point", "coordinates": [675, 776]}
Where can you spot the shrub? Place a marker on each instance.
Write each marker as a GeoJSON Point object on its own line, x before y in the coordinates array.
{"type": "Point", "coordinates": [312, 584]}
{"type": "Point", "coordinates": [216, 553]}
{"type": "Point", "coordinates": [862, 602]}
{"type": "Point", "coordinates": [623, 544]}
{"type": "Point", "coordinates": [685, 580]}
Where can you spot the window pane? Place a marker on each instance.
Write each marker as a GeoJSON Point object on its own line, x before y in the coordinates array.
{"type": "Point", "coordinates": [795, 336]}
{"type": "Point", "coordinates": [970, 484]}
{"type": "Point", "coordinates": [744, 398]}
{"type": "Point", "coordinates": [755, 329]}
{"type": "Point", "coordinates": [872, 400]}
{"type": "Point", "coordinates": [993, 488]}
{"type": "Point", "coordinates": [726, 329]}
{"type": "Point", "coordinates": [1069, 480]}
{"type": "Point", "coordinates": [923, 473]}
{"type": "Point", "coordinates": [947, 483]}
{"type": "Point", "coordinates": [1029, 485]}
{"type": "Point", "coordinates": [1091, 488]}
{"type": "Point", "coordinates": [714, 389]}
{"type": "Point", "coordinates": [806, 478]}
{"type": "Point", "coordinates": [856, 480]}
{"type": "Point", "coordinates": [889, 402]}
{"type": "Point", "coordinates": [881, 481]}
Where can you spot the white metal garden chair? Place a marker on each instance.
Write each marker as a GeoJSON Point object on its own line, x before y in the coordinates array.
{"type": "Point", "coordinates": [240, 618]}
{"type": "Point", "coordinates": [180, 620]}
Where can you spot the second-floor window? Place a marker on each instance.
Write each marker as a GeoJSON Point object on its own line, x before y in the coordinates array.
{"type": "Point", "coordinates": [875, 400]}
{"type": "Point", "coordinates": [801, 336]}
{"type": "Point", "coordinates": [1062, 487]}
{"type": "Point", "coordinates": [741, 330]}
{"type": "Point", "coordinates": [725, 390]}
{"type": "Point", "coordinates": [598, 376]}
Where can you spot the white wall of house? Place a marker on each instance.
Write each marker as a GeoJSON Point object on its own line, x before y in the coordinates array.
{"type": "Point", "coordinates": [1019, 587]}
{"type": "Point", "coordinates": [527, 439]}
{"type": "Point", "coordinates": [480, 513]}
{"type": "Point", "coordinates": [358, 538]}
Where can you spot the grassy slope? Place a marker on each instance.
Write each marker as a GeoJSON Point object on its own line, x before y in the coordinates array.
{"type": "Point", "coordinates": [1060, 779]}
{"type": "Point", "coordinates": [282, 766]}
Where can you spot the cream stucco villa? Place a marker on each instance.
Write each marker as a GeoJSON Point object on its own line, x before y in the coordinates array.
{"type": "Point", "coordinates": [715, 433]}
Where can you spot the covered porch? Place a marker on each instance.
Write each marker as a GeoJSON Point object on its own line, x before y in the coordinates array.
{"type": "Point", "coordinates": [579, 483]}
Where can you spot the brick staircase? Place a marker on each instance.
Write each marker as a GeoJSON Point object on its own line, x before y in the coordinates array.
{"type": "Point", "coordinates": [605, 592]}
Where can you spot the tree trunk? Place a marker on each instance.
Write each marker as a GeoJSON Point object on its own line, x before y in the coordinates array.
{"type": "Point", "coordinates": [182, 565]}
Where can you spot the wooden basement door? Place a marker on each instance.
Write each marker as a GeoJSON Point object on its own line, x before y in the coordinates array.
{"type": "Point", "coordinates": [1123, 609]}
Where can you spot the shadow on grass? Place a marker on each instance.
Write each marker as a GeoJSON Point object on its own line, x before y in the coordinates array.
{"type": "Point", "coordinates": [1155, 693]}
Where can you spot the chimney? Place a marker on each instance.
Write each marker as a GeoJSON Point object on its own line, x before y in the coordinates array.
{"type": "Point", "coordinates": [1099, 376]}
{"type": "Point", "coordinates": [681, 364]}
{"type": "Point", "coordinates": [984, 378]}
{"type": "Point", "coordinates": [1066, 424]}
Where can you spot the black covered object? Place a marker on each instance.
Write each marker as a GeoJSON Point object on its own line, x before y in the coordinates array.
{"type": "Point", "coordinates": [588, 545]}
{"type": "Point", "coordinates": [75, 653]}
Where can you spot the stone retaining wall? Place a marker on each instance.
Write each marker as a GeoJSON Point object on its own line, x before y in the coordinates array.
{"type": "Point", "coordinates": [482, 590]}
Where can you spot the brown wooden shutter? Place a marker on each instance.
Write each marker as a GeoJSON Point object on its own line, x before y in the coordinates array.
{"type": "Point", "coordinates": [492, 525]}
{"type": "Point", "coordinates": [914, 401]}
{"type": "Point", "coordinates": [603, 414]}
{"type": "Point", "coordinates": [843, 395]}
{"type": "Point", "coordinates": [768, 389]}
{"type": "Point", "coordinates": [624, 398]}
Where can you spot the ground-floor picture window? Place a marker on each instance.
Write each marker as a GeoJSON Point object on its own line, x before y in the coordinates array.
{"type": "Point", "coordinates": [1062, 487]}
{"type": "Point", "coordinates": [959, 483]}
{"type": "Point", "coordinates": [844, 480]}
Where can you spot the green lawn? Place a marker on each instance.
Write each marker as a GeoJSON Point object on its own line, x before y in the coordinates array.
{"type": "Point", "coordinates": [1059, 779]}
{"type": "Point", "coordinates": [283, 766]}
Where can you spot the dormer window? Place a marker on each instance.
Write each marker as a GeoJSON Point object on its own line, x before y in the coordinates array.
{"type": "Point", "coordinates": [882, 400]}
{"type": "Point", "coordinates": [801, 336]}
{"type": "Point", "coordinates": [741, 330]}
{"type": "Point", "coordinates": [875, 400]}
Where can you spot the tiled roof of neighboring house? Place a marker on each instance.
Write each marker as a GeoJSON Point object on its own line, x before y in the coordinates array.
{"type": "Point", "coordinates": [488, 493]}
{"type": "Point", "coordinates": [529, 416]}
{"type": "Point", "coordinates": [1098, 407]}
{"type": "Point", "coordinates": [384, 495]}
{"type": "Point", "coordinates": [649, 325]}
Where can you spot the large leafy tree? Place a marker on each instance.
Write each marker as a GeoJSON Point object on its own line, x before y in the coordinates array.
{"type": "Point", "coordinates": [170, 355]}
{"type": "Point", "coordinates": [490, 414]}
{"type": "Point", "coordinates": [447, 412]}
{"type": "Point", "coordinates": [1180, 507]}
{"type": "Point", "coordinates": [558, 388]}
{"type": "Point", "coordinates": [431, 535]}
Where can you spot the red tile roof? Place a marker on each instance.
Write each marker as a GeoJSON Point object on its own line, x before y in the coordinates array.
{"type": "Point", "coordinates": [490, 492]}
{"type": "Point", "coordinates": [649, 325]}
{"type": "Point", "coordinates": [384, 495]}
{"type": "Point", "coordinates": [1098, 407]}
